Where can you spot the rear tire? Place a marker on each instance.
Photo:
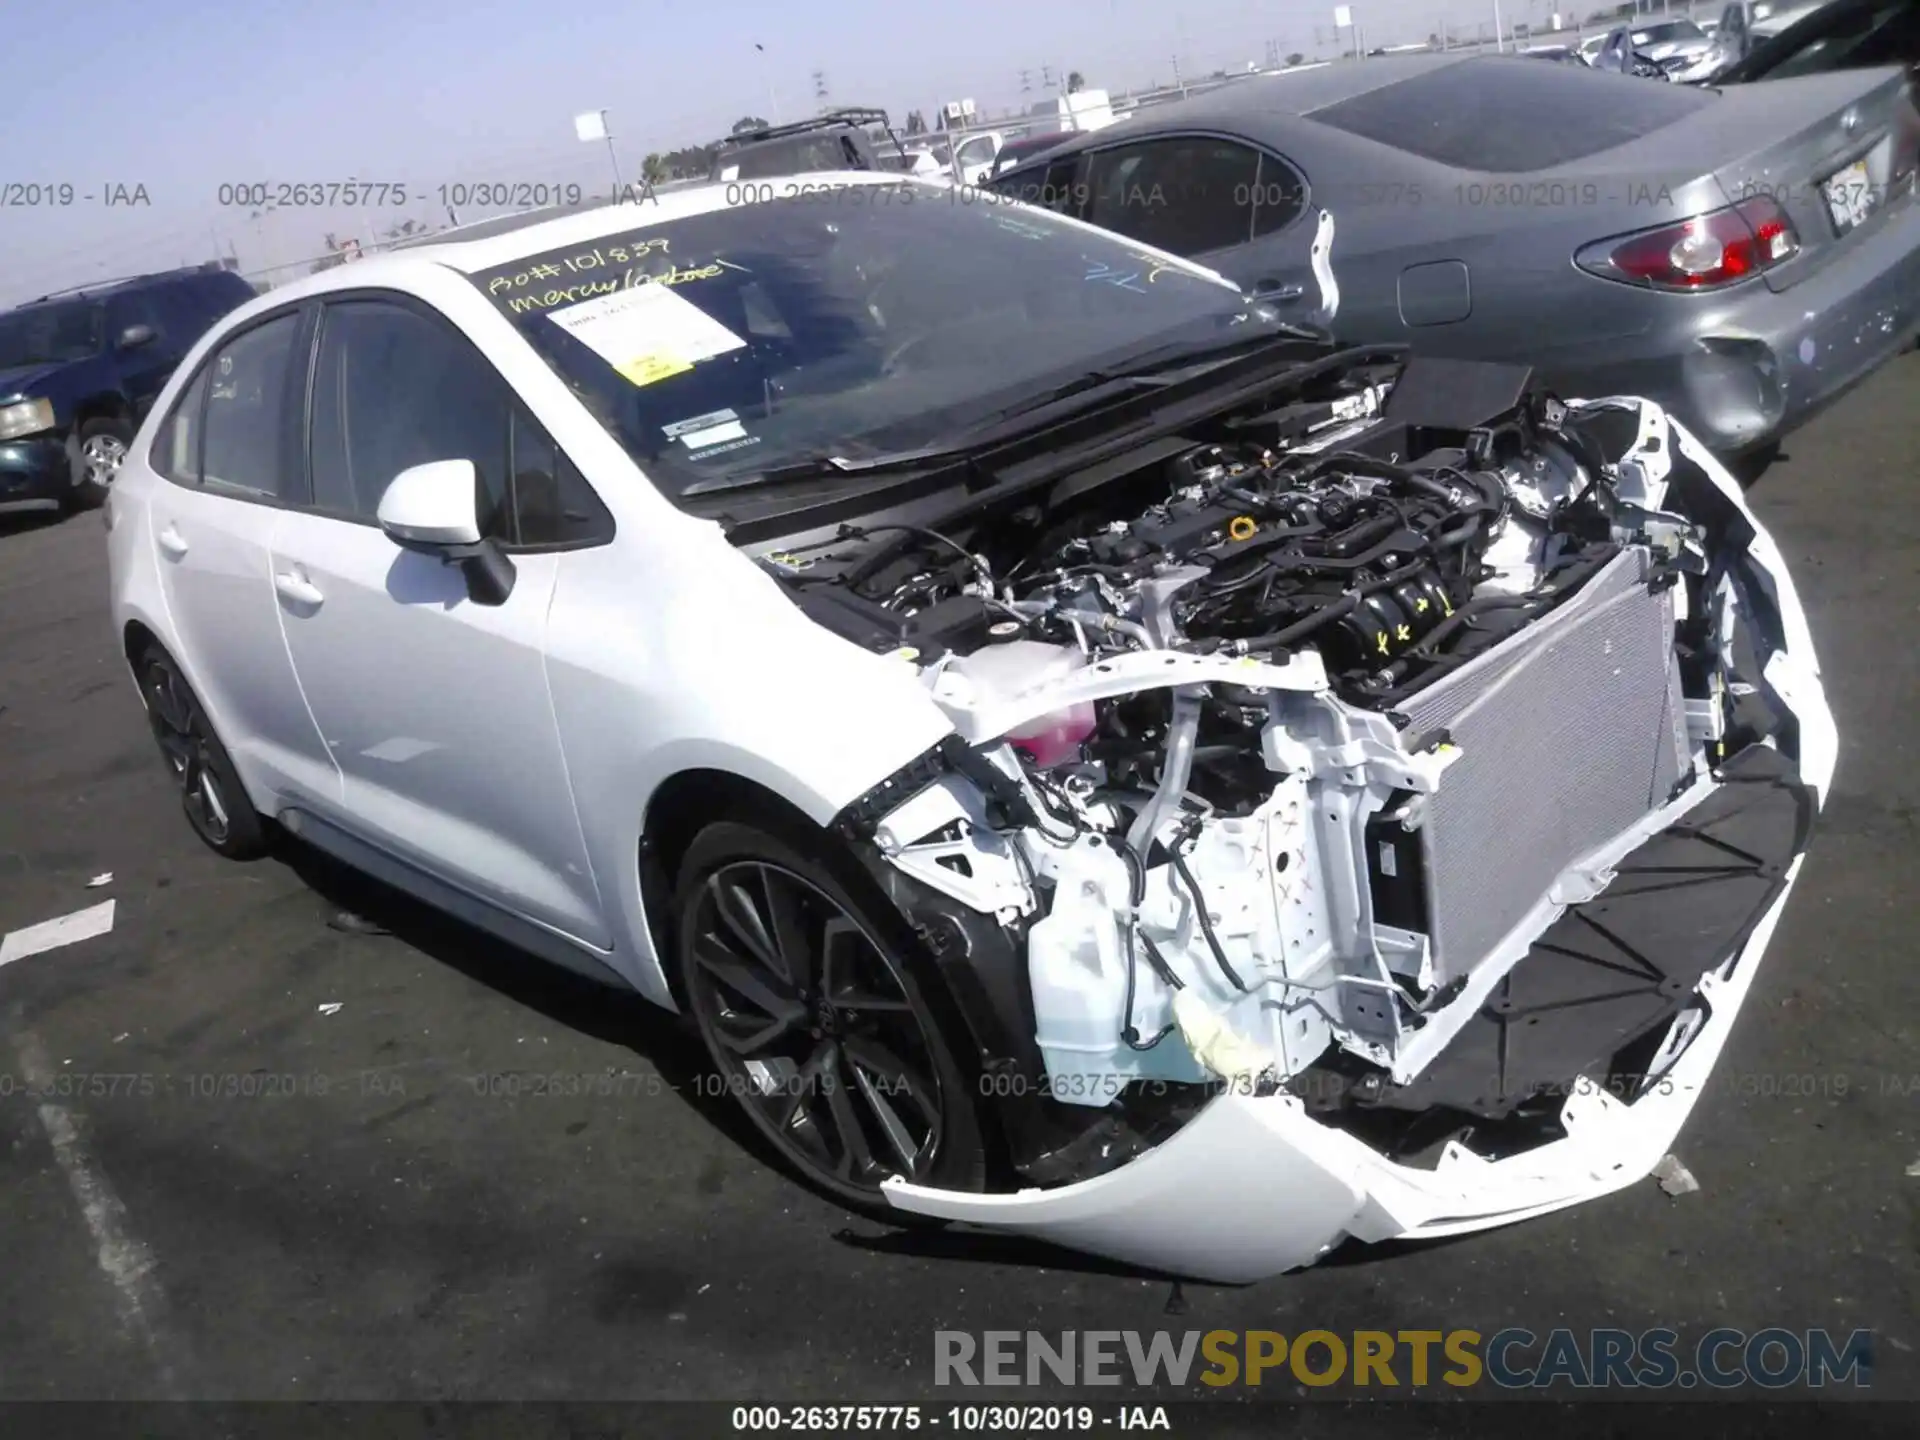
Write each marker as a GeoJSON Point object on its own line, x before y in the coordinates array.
{"type": "Point", "coordinates": [100, 448]}
{"type": "Point", "coordinates": [211, 794]}
{"type": "Point", "coordinates": [820, 1015]}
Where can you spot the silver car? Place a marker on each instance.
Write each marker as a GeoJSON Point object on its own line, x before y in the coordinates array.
{"type": "Point", "coordinates": [1740, 256]}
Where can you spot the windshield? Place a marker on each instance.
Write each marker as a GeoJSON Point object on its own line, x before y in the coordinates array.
{"type": "Point", "coordinates": [1884, 35]}
{"type": "Point", "coordinates": [50, 334]}
{"type": "Point", "coordinates": [764, 335]}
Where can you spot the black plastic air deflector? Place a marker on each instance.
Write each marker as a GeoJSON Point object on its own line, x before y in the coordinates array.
{"type": "Point", "coordinates": [1455, 394]}
{"type": "Point", "coordinates": [1609, 971]}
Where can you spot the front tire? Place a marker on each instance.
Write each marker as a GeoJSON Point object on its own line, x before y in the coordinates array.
{"type": "Point", "coordinates": [211, 794]}
{"type": "Point", "coordinates": [100, 448]}
{"type": "Point", "coordinates": [814, 1005]}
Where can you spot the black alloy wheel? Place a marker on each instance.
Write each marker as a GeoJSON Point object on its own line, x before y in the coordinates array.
{"type": "Point", "coordinates": [816, 1026]}
{"type": "Point", "coordinates": [211, 794]}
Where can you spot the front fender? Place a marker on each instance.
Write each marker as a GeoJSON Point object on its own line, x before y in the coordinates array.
{"type": "Point", "coordinates": [736, 680]}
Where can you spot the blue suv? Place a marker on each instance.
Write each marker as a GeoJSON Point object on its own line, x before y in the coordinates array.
{"type": "Point", "coordinates": [78, 371]}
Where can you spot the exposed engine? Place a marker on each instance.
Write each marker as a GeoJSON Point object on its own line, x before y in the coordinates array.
{"type": "Point", "coordinates": [1276, 754]}
{"type": "Point", "coordinates": [1393, 573]}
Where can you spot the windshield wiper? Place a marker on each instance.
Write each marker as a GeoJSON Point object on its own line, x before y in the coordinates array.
{"type": "Point", "coordinates": [1160, 365]}
{"type": "Point", "coordinates": [812, 467]}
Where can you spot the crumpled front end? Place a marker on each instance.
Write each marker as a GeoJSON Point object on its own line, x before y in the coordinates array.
{"type": "Point", "coordinates": [1392, 936]}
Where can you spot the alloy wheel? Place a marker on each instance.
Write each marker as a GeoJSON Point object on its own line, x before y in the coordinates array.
{"type": "Point", "coordinates": [101, 455]}
{"type": "Point", "coordinates": [186, 744]}
{"type": "Point", "coordinates": [812, 1028]}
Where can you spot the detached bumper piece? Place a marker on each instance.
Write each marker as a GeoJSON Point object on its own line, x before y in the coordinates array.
{"type": "Point", "coordinates": [1257, 1185]}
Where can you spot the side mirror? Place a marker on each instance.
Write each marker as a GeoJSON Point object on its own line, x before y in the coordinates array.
{"type": "Point", "coordinates": [432, 509]}
{"type": "Point", "coordinates": [134, 336]}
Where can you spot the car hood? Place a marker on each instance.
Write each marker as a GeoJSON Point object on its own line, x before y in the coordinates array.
{"type": "Point", "coordinates": [19, 382]}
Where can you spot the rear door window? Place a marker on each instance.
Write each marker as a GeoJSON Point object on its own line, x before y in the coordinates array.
{"type": "Point", "coordinates": [1055, 186]}
{"type": "Point", "coordinates": [1187, 194]}
{"type": "Point", "coordinates": [243, 438]}
{"type": "Point", "coordinates": [1279, 195]}
{"type": "Point", "coordinates": [1509, 116]}
{"type": "Point", "coordinates": [176, 449]}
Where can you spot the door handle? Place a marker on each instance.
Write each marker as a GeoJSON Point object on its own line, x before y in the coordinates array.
{"type": "Point", "coordinates": [297, 588]}
{"type": "Point", "coordinates": [172, 542]}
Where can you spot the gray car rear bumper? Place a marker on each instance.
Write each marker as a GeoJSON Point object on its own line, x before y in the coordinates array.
{"type": "Point", "coordinates": [1758, 362]}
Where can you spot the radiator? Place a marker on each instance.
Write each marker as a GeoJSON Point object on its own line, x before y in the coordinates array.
{"type": "Point", "coordinates": [1569, 732]}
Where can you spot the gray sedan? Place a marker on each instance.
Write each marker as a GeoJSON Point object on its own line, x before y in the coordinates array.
{"type": "Point", "coordinates": [1742, 256]}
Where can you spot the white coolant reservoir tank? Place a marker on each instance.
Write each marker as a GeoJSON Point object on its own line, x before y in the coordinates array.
{"type": "Point", "coordinates": [1000, 672]}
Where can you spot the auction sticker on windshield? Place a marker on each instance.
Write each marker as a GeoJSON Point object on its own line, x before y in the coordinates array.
{"type": "Point", "coordinates": [647, 333]}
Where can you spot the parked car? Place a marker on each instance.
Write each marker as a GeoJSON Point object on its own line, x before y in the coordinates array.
{"type": "Point", "coordinates": [1671, 42]}
{"type": "Point", "coordinates": [1025, 147]}
{"type": "Point", "coordinates": [1744, 24]}
{"type": "Point", "coordinates": [1025, 704]}
{"type": "Point", "coordinates": [974, 155]}
{"type": "Point", "coordinates": [1621, 56]}
{"type": "Point", "coordinates": [78, 370]}
{"type": "Point", "coordinates": [1488, 208]}
{"type": "Point", "coordinates": [929, 156]}
{"type": "Point", "coordinates": [1843, 35]}
{"type": "Point", "coordinates": [842, 139]}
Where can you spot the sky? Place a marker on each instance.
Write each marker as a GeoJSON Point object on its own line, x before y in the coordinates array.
{"type": "Point", "coordinates": [184, 97]}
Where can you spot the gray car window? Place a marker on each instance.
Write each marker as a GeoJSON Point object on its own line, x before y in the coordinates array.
{"type": "Point", "coordinates": [1187, 194]}
{"type": "Point", "coordinates": [176, 449]}
{"type": "Point", "coordinates": [1506, 116]}
{"type": "Point", "coordinates": [240, 444]}
{"type": "Point", "coordinates": [1279, 196]}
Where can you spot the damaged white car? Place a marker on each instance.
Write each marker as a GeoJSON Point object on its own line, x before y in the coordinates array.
{"type": "Point", "coordinates": [1092, 759]}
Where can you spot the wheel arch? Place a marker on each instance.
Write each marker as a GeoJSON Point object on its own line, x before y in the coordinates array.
{"type": "Point", "coordinates": [682, 805]}
{"type": "Point", "coordinates": [103, 405]}
{"type": "Point", "coordinates": [136, 636]}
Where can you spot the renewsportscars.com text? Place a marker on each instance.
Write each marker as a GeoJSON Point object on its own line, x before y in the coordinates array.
{"type": "Point", "coordinates": [1514, 1358]}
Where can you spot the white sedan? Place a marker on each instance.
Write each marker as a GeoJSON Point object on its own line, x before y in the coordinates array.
{"type": "Point", "coordinates": [1090, 759]}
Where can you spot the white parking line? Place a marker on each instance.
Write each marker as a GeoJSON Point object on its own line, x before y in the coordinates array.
{"type": "Point", "coordinates": [127, 1264]}
{"type": "Point", "coordinates": [52, 934]}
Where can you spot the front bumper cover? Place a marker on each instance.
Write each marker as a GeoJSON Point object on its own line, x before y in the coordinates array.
{"type": "Point", "coordinates": [1255, 1185]}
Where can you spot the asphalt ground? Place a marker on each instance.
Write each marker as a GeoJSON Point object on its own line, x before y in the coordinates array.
{"type": "Point", "coordinates": [477, 1178]}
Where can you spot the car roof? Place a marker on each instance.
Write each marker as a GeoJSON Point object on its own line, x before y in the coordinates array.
{"type": "Point", "coordinates": [1285, 93]}
{"type": "Point", "coordinates": [106, 288]}
{"type": "Point", "coordinates": [508, 238]}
